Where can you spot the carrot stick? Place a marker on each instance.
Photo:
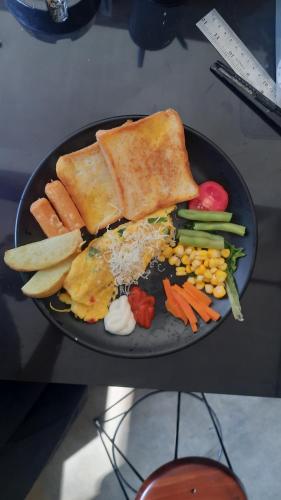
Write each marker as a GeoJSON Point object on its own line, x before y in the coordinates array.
{"type": "Point", "coordinates": [176, 311]}
{"type": "Point", "coordinates": [184, 305]}
{"type": "Point", "coordinates": [198, 306]}
{"type": "Point", "coordinates": [47, 218]}
{"type": "Point", "coordinates": [215, 315]}
{"type": "Point", "coordinates": [64, 205]}
{"type": "Point", "coordinates": [197, 293]}
{"type": "Point", "coordinates": [171, 304]}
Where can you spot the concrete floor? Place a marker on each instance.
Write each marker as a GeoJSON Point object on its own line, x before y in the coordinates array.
{"type": "Point", "coordinates": [80, 469]}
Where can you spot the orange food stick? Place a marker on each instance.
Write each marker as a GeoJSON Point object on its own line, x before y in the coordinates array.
{"type": "Point", "coordinates": [171, 305]}
{"type": "Point", "coordinates": [201, 296]}
{"type": "Point", "coordinates": [198, 306]}
{"type": "Point", "coordinates": [175, 310]}
{"type": "Point", "coordinates": [215, 315]}
{"type": "Point", "coordinates": [64, 205]}
{"type": "Point", "coordinates": [184, 305]}
{"type": "Point", "coordinates": [47, 218]}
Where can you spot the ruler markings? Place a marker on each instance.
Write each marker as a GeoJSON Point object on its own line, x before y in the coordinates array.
{"type": "Point", "coordinates": [236, 54]}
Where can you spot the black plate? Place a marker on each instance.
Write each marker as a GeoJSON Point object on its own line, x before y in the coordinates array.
{"type": "Point", "coordinates": [167, 334]}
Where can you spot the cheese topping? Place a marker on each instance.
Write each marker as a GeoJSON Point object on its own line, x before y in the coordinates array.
{"type": "Point", "coordinates": [132, 247]}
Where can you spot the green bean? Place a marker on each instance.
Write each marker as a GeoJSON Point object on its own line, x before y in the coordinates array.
{"type": "Point", "coordinates": [192, 232]}
{"type": "Point", "coordinates": [228, 227]}
{"type": "Point", "coordinates": [201, 242]}
{"type": "Point", "coordinates": [205, 215]}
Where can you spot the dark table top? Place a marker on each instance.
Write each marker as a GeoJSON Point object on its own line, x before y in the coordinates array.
{"type": "Point", "coordinates": [48, 90]}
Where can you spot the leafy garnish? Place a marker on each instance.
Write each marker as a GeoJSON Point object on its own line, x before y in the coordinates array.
{"type": "Point", "coordinates": [155, 220]}
{"type": "Point", "coordinates": [235, 254]}
{"type": "Point", "coordinates": [231, 288]}
{"type": "Point", "coordinates": [93, 251]}
{"type": "Point", "coordinates": [121, 231]}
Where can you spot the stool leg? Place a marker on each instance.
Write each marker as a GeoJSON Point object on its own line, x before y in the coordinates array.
{"type": "Point", "coordinates": [217, 431]}
{"type": "Point", "coordinates": [177, 425]}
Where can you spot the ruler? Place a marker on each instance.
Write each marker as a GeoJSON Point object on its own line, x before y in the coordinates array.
{"type": "Point", "coordinates": [236, 54]}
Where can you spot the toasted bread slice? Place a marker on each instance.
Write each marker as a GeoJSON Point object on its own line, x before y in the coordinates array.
{"type": "Point", "coordinates": [149, 162]}
{"type": "Point", "coordinates": [43, 253]}
{"type": "Point", "coordinates": [89, 183]}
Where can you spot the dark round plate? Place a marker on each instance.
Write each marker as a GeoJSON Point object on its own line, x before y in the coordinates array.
{"type": "Point", "coordinates": [167, 334]}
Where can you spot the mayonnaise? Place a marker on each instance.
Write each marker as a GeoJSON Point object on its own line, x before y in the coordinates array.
{"type": "Point", "coordinates": [120, 319]}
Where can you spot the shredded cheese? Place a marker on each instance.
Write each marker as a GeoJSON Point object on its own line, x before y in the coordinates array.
{"type": "Point", "coordinates": [129, 255]}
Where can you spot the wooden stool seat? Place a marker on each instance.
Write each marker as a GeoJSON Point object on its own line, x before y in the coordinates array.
{"type": "Point", "coordinates": [192, 478]}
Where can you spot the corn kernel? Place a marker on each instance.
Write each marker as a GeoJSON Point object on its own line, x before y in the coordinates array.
{"type": "Point", "coordinates": [172, 244]}
{"type": "Point", "coordinates": [212, 262]}
{"type": "Point", "coordinates": [199, 278]}
{"type": "Point", "coordinates": [161, 258]}
{"type": "Point", "coordinates": [220, 261]}
{"type": "Point", "coordinates": [191, 280]}
{"type": "Point", "coordinates": [188, 250]}
{"type": "Point", "coordinates": [180, 271]}
{"type": "Point", "coordinates": [203, 254]}
{"type": "Point", "coordinates": [200, 285]}
{"type": "Point", "coordinates": [214, 280]}
{"type": "Point", "coordinates": [200, 269]}
{"type": "Point", "coordinates": [185, 260]}
{"type": "Point", "coordinates": [174, 261]}
{"type": "Point", "coordinates": [193, 255]}
{"type": "Point", "coordinates": [207, 275]}
{"type": "Point", "coordinates": [225, 252]}
{"type": "Point", "coordinates": [168, 252]}
{"type": "Point", "coordinates": [219, 292]}
{"type": "Point", "coordinates": [206, 262]}
{"type": "Point", "coordinates": [212, 252]}
{"type": "Point", "coordinates": [223, 266]}
{"type": "Point", "coordinates": [209, 288]}
{"type": "Point", "coordinates": [195, 263]}
{"type": "Point", "coordinates": [213, 270]}
{"type": "Point", "coordinates": [188, 269]}
{"type": "Point", "coordinates": [221, 276]}
{"type": "Point", "coordinates": [179, 250]}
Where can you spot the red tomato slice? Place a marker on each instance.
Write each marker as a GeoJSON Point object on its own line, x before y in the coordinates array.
{"type": "Point", "coordinates": [212, 196]}
{"type": "Point", "coordinates": [195, 204]}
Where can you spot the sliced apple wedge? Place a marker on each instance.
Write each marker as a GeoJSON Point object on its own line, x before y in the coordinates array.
{"type": "Point", "coordinates": [46, 282]}
{"type": "Point", "coordinates": [45, 253]}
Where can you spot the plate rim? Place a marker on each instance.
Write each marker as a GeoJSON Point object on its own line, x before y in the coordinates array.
{"type": "Point", "coordinates": [41, 306]}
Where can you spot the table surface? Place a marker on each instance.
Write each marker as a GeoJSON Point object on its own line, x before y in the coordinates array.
{"type": "Point", "coordinates": [48, 90]}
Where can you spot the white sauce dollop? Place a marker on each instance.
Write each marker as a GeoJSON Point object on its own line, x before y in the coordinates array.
{"type": "Point", "coordinates": [120, 319]}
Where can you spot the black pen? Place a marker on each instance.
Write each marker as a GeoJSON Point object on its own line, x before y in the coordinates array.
{"type": "Point", "coordinates": [248, 92]}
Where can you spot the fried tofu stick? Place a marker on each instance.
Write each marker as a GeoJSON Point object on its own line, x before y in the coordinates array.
{"type": "Point", "coordinates": [64, 205]}
{"type": "Point", "coordinates": [47, 218]}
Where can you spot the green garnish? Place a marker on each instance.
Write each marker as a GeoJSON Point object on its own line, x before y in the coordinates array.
{"type": "Point", "coordinates": [93, 251]}
{"type": "Point", "coordinates": [121, 231]}
{"type": "Point", "coordinates": [155, 220]}
{"type": "Point", "coordinates": [235, 254]}
{"type": "Point", "coordinates": [231, 288]}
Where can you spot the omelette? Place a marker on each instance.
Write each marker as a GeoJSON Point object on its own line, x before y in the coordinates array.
{"type": "Point", "coordinates": [117, 258]}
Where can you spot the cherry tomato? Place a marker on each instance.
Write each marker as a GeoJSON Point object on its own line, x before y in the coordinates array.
{"type": "Point", "coordinates": [212, 196]}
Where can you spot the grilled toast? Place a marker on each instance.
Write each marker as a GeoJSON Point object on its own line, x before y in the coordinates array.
{"type": "Point", "coordinates": [88, 181]}
{"type": "Point", "coordinates": [149, 163]}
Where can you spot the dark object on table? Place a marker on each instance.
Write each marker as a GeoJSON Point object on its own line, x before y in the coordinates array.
{"type": "Point", "coordinates": [192, 477]}
{"type": "Point", "coordinates": [55, 20]}
{"type": "Point", "coordinates": [154, 25]}
{"type": "Point", "coordinates": [33, 421]}
{"type": "Point", "coordinates": [167, 334]}
{"type": "Point", "coordinates": [250, 95]}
